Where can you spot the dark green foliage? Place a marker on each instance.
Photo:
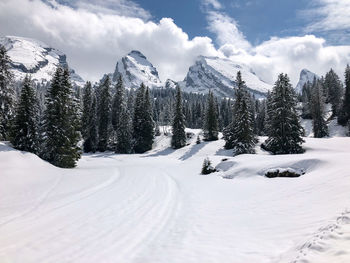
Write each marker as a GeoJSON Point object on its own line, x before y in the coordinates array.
{"type": "Point", "coordinates": [320, 128]}
{"type": "Point", "coordinates": [89, 119]}
{"type": "Point", "coordinates": [211, 126]}
{"type": "Point", "coordinates": [239, 134]}
{"type": "Point", "coordinates": [104, 113]}
{"type": "Point", "coordinates": [261, 118]}
{"type": "Point", "coordinates": [143, 124]}
{"type": "Point", "coordinates": [306, 100]}
{"type": "Point", "coordinates": [61, 121]}
{"type": "Point", "coordinates": [7, 98]}
{"type": "Point", "coordinates": [178, 140]}
{"type": "Point", "coordinates": [25, 127]}
{"type": "Point", "coordinates": [283, 126]}
{"type": "Point", "coordinates": [333, 86]}
{"type": "Point", "coordinates": [207, 168]}
{"type": "Point", "coordinates": [344, 114]}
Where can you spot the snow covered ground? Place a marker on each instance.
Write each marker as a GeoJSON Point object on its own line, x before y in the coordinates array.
{"type": "Point", "coordinates": [155, 207]}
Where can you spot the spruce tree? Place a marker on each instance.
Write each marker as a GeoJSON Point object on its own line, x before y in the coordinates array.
{"type": "Point", "coordinates": [344, 115]}
{"type": "Point", "coordinates": [211, 126]}
{"type": "Point", "coordinates": [320, 128]}
{"type": "Point", "coordinates": [93, 125]}
{"type": "Point", "coordinates": [239, 134]}
{"type": "Point", "coordinates": [334, 88]}
{"type": "Point", "coordinates": [25, 127]}
{"type": "Point", "coordinates": [117, 105]}
{"type": "Point", "coordinates": [7, 97]}
{"type": "Point", "coordinates": [143, 124]}
{"type": "Point", "coordinates": [61, 135]}
{"type": "Point", "coordinates": [283, 127]}
{"type": "Point", "coordinates": [178, 140]}
{"type": "Point", "coordinates": [86, 116]}
{"type": "Point", "coordinates": [104, 113]}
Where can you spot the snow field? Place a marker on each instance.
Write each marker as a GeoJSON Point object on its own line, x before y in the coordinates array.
{"type": "Point", "coordinates": [155, 207]}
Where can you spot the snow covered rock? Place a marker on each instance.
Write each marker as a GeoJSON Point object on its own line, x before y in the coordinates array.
{"type": "Point", "coordinates": [283, 172]}
{"type": "Point", "coordinates": [170, 84]}
{"type": "Point", "coordinates": [219, 74]}
{"type": "Point", "coordinates": [33, 57]}
{"type": "Point", "coordinates": [305, 76]}
{"type": "Point", "coordinates": [135, 69]}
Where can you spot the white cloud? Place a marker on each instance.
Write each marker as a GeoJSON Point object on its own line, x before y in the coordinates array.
{"type": "Point", "coordinates": [94, 41]}
{"type": "Point", "coordinates": [212, 4]}
{"type": "Point", "coordinates": [328, 15]}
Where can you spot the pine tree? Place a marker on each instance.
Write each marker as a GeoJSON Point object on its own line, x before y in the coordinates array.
{"type": "Point", "coordinates": [104, 113]}
{"type": "Point", "coordinates": [320, 128]}
{"type": "Point", "coordinates": [143, 124]}
{"type": "Point", "coordinates": [117, 105]}
{"type": "Point", "coordinates": [60, 123]}
{"type": "Point", "coordinates": [211, 126]}
{"type": "Point", "coordinates": [7, 98]}
{"type": "Point", "coordinates": [284, 129]}
{"type": "Point", "coordinates": [344, 115]}
{"type": "Point", "coordinates": [239, 134]}
{"type": "Point", "coordinates": [334, 88]}
{"type": "Point", "coordinates": [25, 128]}
{"type": "Point", "coordinates": [178, 139]}
{"type": "Point", "coordinates": [93, 125]}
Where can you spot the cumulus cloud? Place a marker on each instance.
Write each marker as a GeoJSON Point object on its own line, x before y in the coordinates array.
{"type": "Point", "coordinates": [94, 41]}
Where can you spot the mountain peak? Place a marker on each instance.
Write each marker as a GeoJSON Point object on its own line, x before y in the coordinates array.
{"type": "Point", "coordinates": [305, 76]}
{"type": "Point", "coordinates": [136, 53]}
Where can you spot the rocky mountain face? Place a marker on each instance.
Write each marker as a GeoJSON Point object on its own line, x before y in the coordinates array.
{"type": "Point", "coordinates": [218, 75]}
{"type": "Point", "coordinates": [33, 57]}
{"type": "Point", "coordinates": [305, 76]}
{"type": "Point", "coordinates": [135, 69]}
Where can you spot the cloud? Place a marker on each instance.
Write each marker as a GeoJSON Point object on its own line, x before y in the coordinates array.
{"type": "Point", "coordinates": [212, 4]}
{"type": "Point", "coordinates": [93, 41]}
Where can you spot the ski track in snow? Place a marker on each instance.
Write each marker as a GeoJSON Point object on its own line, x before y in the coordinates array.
{"type": "Point", "coordinates": [156, 207]}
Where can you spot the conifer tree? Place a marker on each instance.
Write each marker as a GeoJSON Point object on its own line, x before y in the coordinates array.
{"type": "Point", "coordinates": [320, 128]}
{"type": "Point", "coordinates": [283, 127]}
{"type": "Point", "coordinates": [118, 100]}
{"type": "Point", "coordinates": [211, 126]}
{"type": "Point", "coordinates": [344, 115]}
{"type": "Point", "coordinates": [7, 97]}
{"type": "Point", "coordinates": [104, 113]}
{"type": "Point", "coordinates": [93, 125]}
{"type": "Point", "coordinates": [334, 88]}
{"type": "Point", "coordinates": [239, 135]}
{"type": "Point", "coordinates": [178, 140]}
{"type": "Point", "coordinates": [143, 124]}
{"type": "Point", "coordinates": [60, 123]}
{"type": "Point", "coordinates": [25, 127]}
{"type": "Point", "coordinates": [87, 116]}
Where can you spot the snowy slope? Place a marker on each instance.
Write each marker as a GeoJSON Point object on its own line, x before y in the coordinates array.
{"type": "Point", "coordinates": [305, 76]}
{"type": "Point", "coordinates": [30, 56]}
{"type": "Point", "coordinates": [218, 75]}
{"type": "Point", "coordinates": [155, 207]}
{"type": "Point", "coordinates": [136, 69]}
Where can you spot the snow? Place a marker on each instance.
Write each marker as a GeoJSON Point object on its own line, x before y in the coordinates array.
{"type": "Point", "coordinates": [219, 74]}
{"type": "Point", "coordinates": [30, 56]}
{"type": "Point", "coordinates": [156, 207]}
{"type": "Point", "coordinates": [305, 76]}
{"type": "Point", "coordinates": [136, 69]}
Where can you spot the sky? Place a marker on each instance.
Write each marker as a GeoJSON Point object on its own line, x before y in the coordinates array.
{"type": "Point", "coordinates": [270, 36]}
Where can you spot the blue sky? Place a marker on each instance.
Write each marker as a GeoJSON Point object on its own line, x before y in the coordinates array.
{"type": "Point", "coordinates": [257, 19]}
{"type": "Point", "coordinates": [270, 36]}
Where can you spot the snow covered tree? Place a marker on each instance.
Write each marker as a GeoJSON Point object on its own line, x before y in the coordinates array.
{"type": "Point", "coordinates": [211, 126]}
{"type": "Point", "coordinates": [344, 114]}
{"type": "Point", "coordinates": [104, 113]}
{"type": "Point", "coordinates": [25, 127]}
{"type": "Point", "coordinates": [61, 135]}
{"type": "Point", "coordinates": [306, 100]}
{"type": "Point", "coordinates": [239, 134]}
{"type": "Point", "coordinates": [93, 125]}
{"type": "Point", "coordinates": [261, 118]}
{"type": "Point", "coordinates": [334, 89]}
{"type": "Point", "coordinates": [143, 124]}
{"type": "Point", "coordinates": [121, 120]}
{"type": "Point", "coordinates": [320, 128]}
{"type": "Point", "coordinates": [207, 168]}
{"type": "Point", "coordinates": [7, 98]}
{"type": "Point", "coordinates": [178, 140]}
{"type": "Point", "coordinates": [283, 127]}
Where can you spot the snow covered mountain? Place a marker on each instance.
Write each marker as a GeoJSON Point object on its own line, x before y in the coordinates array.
{"type": "Point", "coordinates": [219, 74]}
{"type": "Point", "coordinates": [305, 76]}
{"type": "Point", "coordinates": [135, 69]}
{"type": "Point", "coordinates": [33, 57]}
